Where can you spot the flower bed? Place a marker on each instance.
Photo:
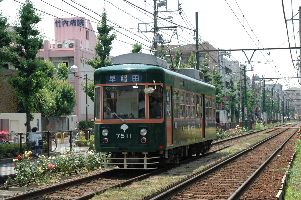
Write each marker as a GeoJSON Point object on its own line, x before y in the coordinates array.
{"type": "Point", "coordinates": [43, 170]}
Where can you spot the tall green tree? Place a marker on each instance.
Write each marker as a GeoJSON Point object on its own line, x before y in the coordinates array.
{"type": "Point", "coordinates": [232, 100]}
{"type": "Point", "coordinates": [103, 49]}
{"type": "Point", "coordinates": [204, 68]}
{"type": "Point", "coordinates": [104, 44]}
{"type": "Point", "coordinates": [136, 48]}
{"type": "Point", "coordinates": [57, 97]}
{"type": "Point", "coordinates": [27, 43]}
{"type": "Point", "coordinates": [216, 80]}
{"type": "Point", "coordinates": [192, 60]}
{"type": "Point", "coordinates": [5, 42]}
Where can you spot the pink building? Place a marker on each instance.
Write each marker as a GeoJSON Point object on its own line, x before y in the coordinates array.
{"type": "Point", "coordinates": [74, 44]}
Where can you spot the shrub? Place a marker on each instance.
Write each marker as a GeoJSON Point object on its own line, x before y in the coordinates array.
{"type": "Point", "coordinates": [259, 126]}
{"type": "Point", "coordinates": [43, 169]}
{"type": "Point", "coordinates": [85, 125]}
{"type": "Point", "coordinates": [10, 150]}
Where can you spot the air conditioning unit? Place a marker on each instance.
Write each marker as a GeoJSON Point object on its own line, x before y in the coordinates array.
{"type": "Point", "coordinates": [71, 45]}
{"type": "Point", "coordinates": [59, 46]}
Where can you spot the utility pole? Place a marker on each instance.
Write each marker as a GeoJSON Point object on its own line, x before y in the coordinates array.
{"type": "Point", "coordinates": [154, 29]}
{"type": "Point", "coordinates": [244, 109]}
{"type": "Point", "coordinates": [278, 109]}
{"type": "Point", "coordinates": [155, 43]}
{"type": "Point", "coordinates": [263, 100]}
{"type": "Point", "coordinates": [272, 110]}
{"type": "Point", "coordinates": [300, 38]}
{"type": "Point", "coordinates": [283, 109]}
{"type": "Point", "coordinates": [86, 77]}
{"type": "Point", "coordinates": [197, 41]}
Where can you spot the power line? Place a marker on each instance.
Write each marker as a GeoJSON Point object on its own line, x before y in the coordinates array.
{"type": "Point", "coordinates": [288, 39]}
{"type": "Point", "coordinates": [250, 49]}
{"type": "Point", "coordinates": [44, 12]}
{"type": "Point", "coordinates": [134, 5]}
{"type": "Point", "coordinates": [293, 25]}
{"type": "Point", "coordinates": [250, 29]}
{"type": "Point", "coordinates": [107, 19]}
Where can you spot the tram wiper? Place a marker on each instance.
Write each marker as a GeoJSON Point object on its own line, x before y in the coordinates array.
{"type": "Point", "coordinates": [113, 113]}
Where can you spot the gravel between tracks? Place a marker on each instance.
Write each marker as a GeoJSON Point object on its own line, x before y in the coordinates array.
{"type": "Point", "coordinates": [221, 183]}
{"type": "Point", "coordinates": [142, 189]}
{"type": "Point", "coordinates": [267, 185]}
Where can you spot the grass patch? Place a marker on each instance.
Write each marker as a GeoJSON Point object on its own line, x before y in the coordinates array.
{"type": "Point", "coordinates": [293, 187]}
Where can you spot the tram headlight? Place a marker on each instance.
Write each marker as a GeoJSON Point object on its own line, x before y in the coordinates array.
{"type": "Point", "coordinates": [105, 132]}
{"type": "Point", "coordinates": [143, 132]}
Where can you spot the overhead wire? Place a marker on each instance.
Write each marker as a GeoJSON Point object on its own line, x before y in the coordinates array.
{"type": "Point", "coordinates": [100, 16]}
{"type": "Point", "coordinates": [44, 12]}
{"type": "Point", "coordinates": [259, 43]}
{"type": "Point", "coordinates": [288, 39]}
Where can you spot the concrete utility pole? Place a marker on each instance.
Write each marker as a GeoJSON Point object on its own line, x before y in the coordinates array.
{"type": "Point", "coordinates": [272, 110]}
{"type": "Point", "coordinates": [197, 53]}
{"type": "Point", "coordinates": [245, 98]}
{"type": "Point", "coordinates": [263, 100]}
{"type": "Point", "coordinates": [145, 27]}
{"type": "Point", "coordinates": [155, 43]}
{"type": "Point", "coordinates": [278, 114]}
{"type": "Point", "coordinates": [86, 77]}
{"type": "Point", "coordinates": [300, 38]}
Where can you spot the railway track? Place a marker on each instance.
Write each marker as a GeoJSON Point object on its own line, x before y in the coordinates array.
{"type": "Point", "coordinates": [89, 186]}
{"type": "Point", "coordinates": [85, 188]}
{"type": "Point", "coordinates": [232, 177]}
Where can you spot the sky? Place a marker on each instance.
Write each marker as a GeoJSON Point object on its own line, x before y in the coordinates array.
{"type": "Point", "coordinates": [226, 24]}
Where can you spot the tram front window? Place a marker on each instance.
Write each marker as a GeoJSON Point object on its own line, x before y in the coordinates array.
{"type": "Point", "coordinates": [124, 102]}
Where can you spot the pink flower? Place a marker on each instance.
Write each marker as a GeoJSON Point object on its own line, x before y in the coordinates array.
{"type": "Point", "coordinates": [50, 166]}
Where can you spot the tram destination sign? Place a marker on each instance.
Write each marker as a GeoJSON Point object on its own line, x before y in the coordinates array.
{"type": "Point", "coordinates": [126, 78]}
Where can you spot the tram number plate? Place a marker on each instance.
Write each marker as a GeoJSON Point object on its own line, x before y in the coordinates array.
{"type": "Point", "coordinates": [124, 136]}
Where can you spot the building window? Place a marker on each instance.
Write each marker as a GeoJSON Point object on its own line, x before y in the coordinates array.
{"type": "Point", "coordinates": [87, 35]}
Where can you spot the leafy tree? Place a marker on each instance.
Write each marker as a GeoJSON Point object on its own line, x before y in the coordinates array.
{"type": "Point", "coordinates": [103, 49]}
{"type": "Point", "coordinates": [192, 60]}
{"type": "Point", "coordinates": [104, 42]}
{"type": "Point", "coordinates": [136, 48]}
{"type": "Point", "coordinates": [230, 104]}
{"type": "Point", "coordinates": [204, 68]}
{"type": "Point", "coordinates": [62, 71]}
{"type": "Point", "coordinates": [251, 103]}
{"type": "Point", "coordinates": [30, 79]}
{"type": "Point", "coordinates": [161, 52]}
{"type": "Point", "coordinates": [57, 97]}
{"type": "Point", "coordinates": [216, 80]}
{"type": "Point", "coordinates": [5, 42]}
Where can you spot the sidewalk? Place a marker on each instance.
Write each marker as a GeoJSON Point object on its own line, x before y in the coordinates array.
{"type": "Point", "coordinates": [7, 169]}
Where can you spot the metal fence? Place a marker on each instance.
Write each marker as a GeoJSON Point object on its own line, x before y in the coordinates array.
{"type": "Point", "coordinates": [48, 143]}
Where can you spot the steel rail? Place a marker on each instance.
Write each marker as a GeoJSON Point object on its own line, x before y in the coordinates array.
{"type": "Point", "coordinates": [179, 186]}
{"type": "Point", "coordinates": [249, 181]}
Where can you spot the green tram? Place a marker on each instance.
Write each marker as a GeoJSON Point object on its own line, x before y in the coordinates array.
{"type": "Point", "coordinates": [146, 115]}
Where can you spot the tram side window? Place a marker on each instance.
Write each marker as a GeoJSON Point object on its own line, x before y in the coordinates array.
{"type": "Point", "coordinates": [197, 105]}
{"type": "Point", "coordinates": [97, 102]}
{"type": "Point", "coordinates": [156, 103]}
{"type": "Point", "coordinates": [188, 112]}
{"type": "Point", "coordinates": [207, 109]}
{"type": "Point", "coordinates": [182, 104]}
{"type": "Point", "coordinates": [193, 115]}
{"type": "Point", "coordinates": [176, 104]}
{"type": "Point", "coordinates": [201, 106]}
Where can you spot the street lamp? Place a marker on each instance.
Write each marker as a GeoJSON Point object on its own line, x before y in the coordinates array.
{"type": "Point", "coordinates": [74, 70]}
